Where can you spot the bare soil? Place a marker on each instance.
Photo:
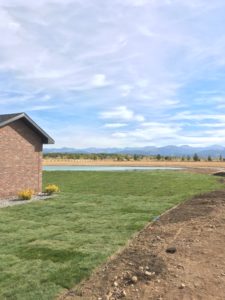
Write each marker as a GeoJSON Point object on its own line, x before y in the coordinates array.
{"type": "Point", "coordinates": [144, 270]}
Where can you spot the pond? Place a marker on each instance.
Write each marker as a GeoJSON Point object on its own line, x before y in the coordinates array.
{"type": "Point", "coordinates": [105, 168]}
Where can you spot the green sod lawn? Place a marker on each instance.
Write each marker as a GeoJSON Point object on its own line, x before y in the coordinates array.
{"type": "Point", "coordinates": [51, 245]}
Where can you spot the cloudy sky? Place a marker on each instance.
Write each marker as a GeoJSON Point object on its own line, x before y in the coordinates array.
{"type": "Point", "coordinates": [116, 73]}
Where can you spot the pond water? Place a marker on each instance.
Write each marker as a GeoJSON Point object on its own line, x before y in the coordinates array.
{"type": "Point", "coordinates": [105, 168]}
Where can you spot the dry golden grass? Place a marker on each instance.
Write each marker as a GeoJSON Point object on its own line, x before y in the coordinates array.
{"type": "Point", "coordinates": [149, 163]}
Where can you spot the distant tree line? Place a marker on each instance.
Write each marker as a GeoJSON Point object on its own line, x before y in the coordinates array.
{"type": "Point", "coordinates": [94, 156]}
{"type": "Point", "coordinates": [129, 157]}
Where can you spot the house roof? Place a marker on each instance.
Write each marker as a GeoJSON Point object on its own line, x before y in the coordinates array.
{"type": "Point", "coordinates": [9, 118]}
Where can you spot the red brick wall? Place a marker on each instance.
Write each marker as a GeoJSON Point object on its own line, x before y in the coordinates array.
{"type": "Point", "coordinates": [20, 159]}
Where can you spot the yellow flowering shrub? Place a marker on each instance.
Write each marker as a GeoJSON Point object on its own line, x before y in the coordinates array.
{"type": "Point", "coordinates": [26, 194]}
{"type": "Point", "coordinates": [51, 189]}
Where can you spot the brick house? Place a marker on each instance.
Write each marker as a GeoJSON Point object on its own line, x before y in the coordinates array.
{"type": "Point", "coordinates": [21, 142]}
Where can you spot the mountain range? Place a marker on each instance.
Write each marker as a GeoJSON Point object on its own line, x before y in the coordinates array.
{"type": "Point", "coordinates": [171, 150]}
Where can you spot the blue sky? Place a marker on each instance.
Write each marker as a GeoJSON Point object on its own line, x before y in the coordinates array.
{"type": "Point", "coordinates": [118, 73]}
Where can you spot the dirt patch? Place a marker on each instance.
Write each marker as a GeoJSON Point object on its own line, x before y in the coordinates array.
{"type": "Point", "coordinates": [198, 206]}
{"type": "Point", "coordinates": [145, 269]}
{"type": "Point", "coordinates": [221, 174]}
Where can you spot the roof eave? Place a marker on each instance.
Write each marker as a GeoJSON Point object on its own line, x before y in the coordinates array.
{"type": "Point", "coordinates": [46, 139]}
{"type": "Point", "coordinates": [50, 141]}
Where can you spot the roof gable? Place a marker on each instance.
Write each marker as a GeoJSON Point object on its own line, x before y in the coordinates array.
{"type": "Point", "coordinates": [9, 118]}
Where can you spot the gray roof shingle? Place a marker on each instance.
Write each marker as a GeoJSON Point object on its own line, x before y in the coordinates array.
{"type": "Point", "coordinates": [9, 118]}
{"type": "Point", "coordinates": [4, 118]}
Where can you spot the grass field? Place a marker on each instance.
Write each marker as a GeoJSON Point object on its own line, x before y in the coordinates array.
{"type": "Point", "coordinates": [51, 245]}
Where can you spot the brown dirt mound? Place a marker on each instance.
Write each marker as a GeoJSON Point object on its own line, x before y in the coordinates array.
{"type": "Point", "coordinates": [221, 174]}
{"type": "Point", "coordinates": [144, 270]}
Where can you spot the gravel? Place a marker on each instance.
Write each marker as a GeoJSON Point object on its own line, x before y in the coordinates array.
{"type": "Point", "coordinates": [15, 201]}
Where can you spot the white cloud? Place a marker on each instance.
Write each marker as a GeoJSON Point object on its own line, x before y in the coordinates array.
{"type": "Point", "coordinates": [42, 107]}
{"type": "Point", "coordinates": [151, 131]}
{"type": "Point", "coordinates": [82, 137]}
{"type": "Point", "coordinates": [144, 59]}
{"type": "Point", "coordinates": [115, 125]}
{"type": "Point", "coordinates": [198, 117]}
{"type": "Point", "coordinates": [44, 48]}
{"type": "Point", "coordinates": [147, 133]}
{"type": "Point", "coordinates": [125, 89]}
{"type": "Point", "coordinates": [99, 80]}
{"type": "Point", "coordinates": [121, 113]}
{"type": "Point", "coordinates": [135, 3]}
